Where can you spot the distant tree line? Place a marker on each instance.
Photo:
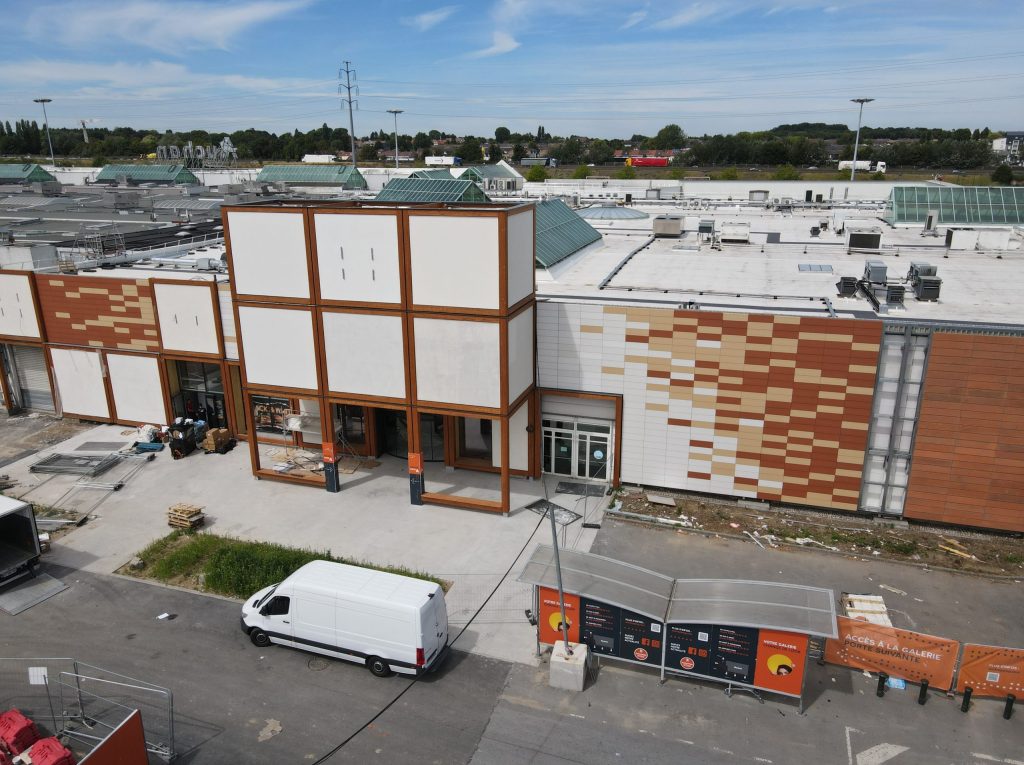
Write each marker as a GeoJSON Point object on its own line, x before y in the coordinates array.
{"type": "Point", "coordinates": [798, 145]}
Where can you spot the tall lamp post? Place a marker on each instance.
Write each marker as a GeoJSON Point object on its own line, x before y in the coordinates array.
{"type": "Point", "coordinates": [396, 112]}
{"type": "Point", "coordinates": [856, 142]}
{"type": "Point", "coordinates": [46, 122]}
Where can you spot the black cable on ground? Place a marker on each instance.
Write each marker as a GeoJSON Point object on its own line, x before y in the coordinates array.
{"type": "Point", "coordinates": [415, 680]}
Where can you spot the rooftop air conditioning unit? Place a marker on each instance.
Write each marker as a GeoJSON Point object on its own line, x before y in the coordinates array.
{"type": "Point", "coordinates": [847, 286]}
{"type": "Point", "coordinates": [894, 294]}
{"type": "Point", "coordinates": [919, 269]}
{"type": "Point", "coordinates": [928, 287]}
{"type": "Point", "coordinates": [875, 271]}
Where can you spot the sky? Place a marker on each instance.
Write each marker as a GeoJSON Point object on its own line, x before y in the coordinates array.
{"type": "Point", "coordinates": [599, 68]}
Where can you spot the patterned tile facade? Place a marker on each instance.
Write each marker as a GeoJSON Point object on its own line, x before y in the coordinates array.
{"type": "Point", "coordinates": [99, 312]}
{"type": "Point", "coordinates": [772, 407]}
{"type": "Point", "coordinates": [968, 460]}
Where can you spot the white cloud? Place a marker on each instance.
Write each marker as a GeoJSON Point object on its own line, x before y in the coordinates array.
{"type": "Point", "coordinates": [634, 18]}
{"type": "Point", "coordinates": [424, 21]}
{"type": "Point", "coordinates": [502, 43]}
{"type": "Point", "coordinates": [168, 26]}
{"type": "Point", "coordinates": [691, 15]}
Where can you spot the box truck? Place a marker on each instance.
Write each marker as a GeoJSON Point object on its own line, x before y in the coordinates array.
{"type": "Point", "coordinates": [19, 540]}
{"type": "Point", "coordinates": [388, 622]}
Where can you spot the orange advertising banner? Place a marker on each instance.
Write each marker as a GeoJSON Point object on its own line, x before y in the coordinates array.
{"type": "Point", "coordinates": [549, 620]}
{"type": "Point", "coordinates": [780, 662]}
{"type": "Point", "coordinates": [991, 670]}
{"type": "Point", "coordinates": [899, 653]}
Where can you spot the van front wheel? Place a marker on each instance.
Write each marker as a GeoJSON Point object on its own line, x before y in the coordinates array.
{"type": "Point", "coordinates": [259, 638]}
{"type": "Point", "coordinates": [378, 666]}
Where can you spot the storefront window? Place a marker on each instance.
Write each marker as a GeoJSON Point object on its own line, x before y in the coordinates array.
{"type": "Point", "coordinates": [200, 393]}
{"type": "Point", "coordinates": [268, 413]}
{"type": "Point", "coordinates": [352, 422]}
{"type": "Point", "coordinates": [475, 439]}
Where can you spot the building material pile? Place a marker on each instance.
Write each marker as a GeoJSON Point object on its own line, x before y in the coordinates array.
{"type": "Point", "coordinates": [182, 516]}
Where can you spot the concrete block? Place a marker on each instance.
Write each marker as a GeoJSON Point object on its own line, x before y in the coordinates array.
{"type": "Point", "coordinates": [568, 672]}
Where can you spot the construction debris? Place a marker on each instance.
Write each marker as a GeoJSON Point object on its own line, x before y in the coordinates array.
{"type": "Point", "coordinates": [660, 499]}
{"type": "Point", "coordinates": [892, 589]}
{"type": "Point", "coordinates": [804, 541]}
{"type": "Point", "coordinates": [868, 608]}
{"type": "Point", "coordinates": [183, 516]}
{"type": "Point", "coordinates": [76, 464]}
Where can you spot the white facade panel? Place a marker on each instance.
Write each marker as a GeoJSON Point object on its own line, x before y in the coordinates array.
{"type": "Point", "coordinates": [365, 354]}
{"type": "Point", "coordinates": [357, 257]}
{"type": "Point", "coordinates": [279, 346]}
{"type": "Point", "coordinates": [135, 384]}
{"type": "Point", "coordinates": [227, 322]}
{"type": "Point", "coordinates": [570, 406]}
{"type": "Point", "coordinates": [472, 375]}
{"type": "Point", "coordinates": [78, 376]}
{"type": "Point", "coordinates": [188, 318]}
{"type": "Point", "coordinates": [268, 254]}
{"type": "Point", "coordinates": [454, 261]}
{"type": "Point", "coordinates": [520, 256]}
{"type": "Point", "coordinates": [520, 354]}
{"type": "Point", "coordinates": [518, 440]}
{"type": "Point", "coordinates": [17, 308]}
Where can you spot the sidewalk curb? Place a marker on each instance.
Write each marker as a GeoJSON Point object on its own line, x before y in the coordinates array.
{"type": "Point", "coordinates": [663, 523]}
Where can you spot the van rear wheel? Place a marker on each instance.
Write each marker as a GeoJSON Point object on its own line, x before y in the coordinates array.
{"type": "Point", "coordinates": [259, 638]}
{"type": "Point", "coordinates": [378, 666]}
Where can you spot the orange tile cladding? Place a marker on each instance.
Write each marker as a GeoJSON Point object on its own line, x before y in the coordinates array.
{"type": "Point", "coordinates": [968, 462]}
{"type": "Point", "coordinates": [98, 311]}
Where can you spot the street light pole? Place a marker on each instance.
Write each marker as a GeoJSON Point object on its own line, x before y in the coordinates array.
{"type": "Point", "coordinates": [396, 112]}
{"type": "Point", "coordinates": [46, 122]}
{"type": "Point", "coordinates": [856, 142]}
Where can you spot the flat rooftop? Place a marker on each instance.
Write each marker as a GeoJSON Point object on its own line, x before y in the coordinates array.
{"type": "Point", "coordinates": [785, 269]}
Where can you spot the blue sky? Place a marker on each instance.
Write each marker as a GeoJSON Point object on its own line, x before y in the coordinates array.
{"type": "Point", "coordinates": [590, 67]}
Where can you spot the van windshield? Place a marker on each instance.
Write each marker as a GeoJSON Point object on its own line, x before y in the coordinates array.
{"type": "Point", "coordinates": [264, 599]}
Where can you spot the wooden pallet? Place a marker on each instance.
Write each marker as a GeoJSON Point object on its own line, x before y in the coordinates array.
{"type": "Point", "coordinates": [182, 516]}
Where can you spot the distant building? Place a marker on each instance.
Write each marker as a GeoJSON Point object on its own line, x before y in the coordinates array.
{"type": "Point", "coordinates": [156, 174]}
{"type": "Point", "coordinates": [1010, 146]}
{"type": "Point", "coordinates": [27, 173]}
{"type": "Point", "coordinates": [345, 176]}
{"type": "Point", "coordinates": [498, 177]}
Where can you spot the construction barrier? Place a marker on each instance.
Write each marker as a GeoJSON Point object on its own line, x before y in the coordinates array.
{"type": "Point", "coordinates": [991, 671]}
{"type": "Point", "coordinates": [898, 653]}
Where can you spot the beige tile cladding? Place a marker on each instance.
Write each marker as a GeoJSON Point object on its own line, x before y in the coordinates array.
{"type": "Point", "coordinates": [773, 407]}
{"type": "Point", "coordinates": [99, 312]}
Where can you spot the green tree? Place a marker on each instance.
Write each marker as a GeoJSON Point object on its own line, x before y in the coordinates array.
{"type": "Point", "coordinates": [368, 152]}
{"type": "Point", "coordinates": [669, 137]}
{"type": "Point", "coordinates": [470, 151]}
{"type": "Point", "coordinates": [626, 173]}
{"type": "Point", "coordinates": [582, 172]}
{"type": "Point", "coordinates": [729, 174]}
{"type": "Point", "coordinates": [786, 173]}
{"type": "Point", "coordinates": [494, 154]}
{"type": "Point", "coordinates": [421, 142]}
{"type": "Point", "coordinates": [518, 152]}
{"type": "Point", "coordinates": [600, 152]}
{"type": "Point", "coordinates": [1002, 175]}
{"type": "Point", "coordinates": [502, 134]}
{"type": "Point", "coordinates": [537, 174]}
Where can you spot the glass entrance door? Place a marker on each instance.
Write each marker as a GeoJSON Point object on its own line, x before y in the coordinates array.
{"type": "Point", "coordinates": [576, 448]}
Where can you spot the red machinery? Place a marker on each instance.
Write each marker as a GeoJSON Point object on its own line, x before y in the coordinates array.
{"type": "Point", "coordinates": [17, 732]}
{"type": "Point", "coordinates": [49, 751]}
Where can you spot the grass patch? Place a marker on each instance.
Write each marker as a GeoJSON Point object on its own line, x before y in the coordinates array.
{"type": "Point", "coordinates": [234, 567]}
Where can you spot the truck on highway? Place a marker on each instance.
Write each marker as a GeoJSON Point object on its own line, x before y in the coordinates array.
{"type": "Point", "coordinates": [19, 540]}
{"type": "Point", "coordinates": [863, 164]}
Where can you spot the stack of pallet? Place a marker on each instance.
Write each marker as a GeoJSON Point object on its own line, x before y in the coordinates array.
{"type": "Point", "coordinates": [867, 608]}
{"type": "Point", "coordinates": [182, 516]}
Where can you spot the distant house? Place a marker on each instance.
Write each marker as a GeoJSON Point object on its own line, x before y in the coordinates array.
{"type": "Point", "coordinates": [24, 173]}
{"type": "Point", "coordinates": [170, 175]}
{"type": "Point", "coordinates": [345, 176]}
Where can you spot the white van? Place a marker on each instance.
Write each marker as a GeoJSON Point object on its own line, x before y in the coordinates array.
{"type": "Point", "coordinates": [388, 622]}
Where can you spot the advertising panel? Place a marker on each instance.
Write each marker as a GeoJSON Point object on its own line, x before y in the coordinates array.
{"type": "Point", "coordinates": [767, 659]}
{"type": "Point", "coordinates": [900, 653]}
{"type": "Point", "coordinates": [549, 618]}
{"type": "Point", "coordinates": [991, 670]}
{"type": "Point", "coordinates": [613, 631]}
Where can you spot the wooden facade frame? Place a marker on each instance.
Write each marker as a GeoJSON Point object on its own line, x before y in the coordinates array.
{"type": "Point", "coordinates": [36, 307]}
{"type": "Point", "coordinates": [254, 441]}
{"type": "Point", "coordinates": [367, 397]}
{"type": "Point", "coordinates": [217, 319]}
{"type": "Point", "coordinates": [616, 398]}
{"type": "Point", "coordinates": [276, 300]}
{"type": "Point", "coordinates": [48, 348]}
{"type": "Point", "coordinates": [317, 347]}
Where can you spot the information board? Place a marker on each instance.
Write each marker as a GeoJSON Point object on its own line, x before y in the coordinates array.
{"type": "Point", "coordinates": [613, 631]}
{"type": "Point", "coordinates": [766, 659]}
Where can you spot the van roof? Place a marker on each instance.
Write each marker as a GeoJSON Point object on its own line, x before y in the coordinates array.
{"type": "Point", "coordinates": [328, 576]}
{"type": "Point", "coordinates": [10, 503]}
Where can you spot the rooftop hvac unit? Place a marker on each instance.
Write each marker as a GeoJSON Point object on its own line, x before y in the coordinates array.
{"type": "Point", "coordinates": [927, 287]}
{"type": "Point", "coordinates": [863, 240]}
{"type": "Point", "coordinates": [668, 225]}
{"type": "Point", "coordinates": [894, 294]}
{"type": "Point", "coordinates": [707, 226]}
{"type": "Point", "coordinates": [919, 269]}
{"type": "Point", "coordinates": [847, 286]}
{"type": "Point", "coordinates": [875, 271]}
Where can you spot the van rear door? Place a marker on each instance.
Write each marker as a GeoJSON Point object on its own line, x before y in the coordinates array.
{"type": "Point", "coordinates": [434, 620]}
